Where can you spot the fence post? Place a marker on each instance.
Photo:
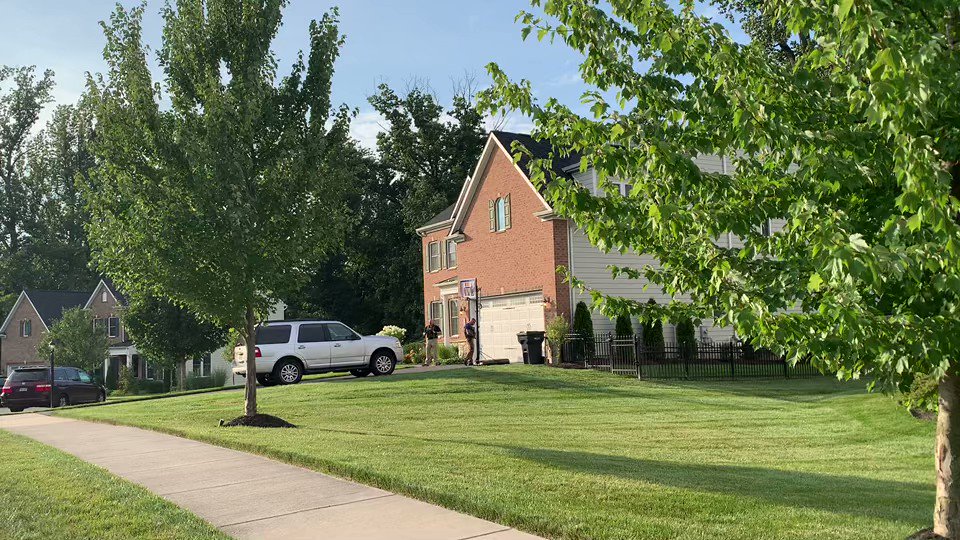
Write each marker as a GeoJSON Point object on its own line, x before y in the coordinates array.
{"type": "Point", "coordinates": [636, 355]}
{"type": "Point", "coordinates": [611, 350]}
{"type": "Point", "coordinates": [733, 361]}
{"type": "Point", "coordinates": [786, 372]}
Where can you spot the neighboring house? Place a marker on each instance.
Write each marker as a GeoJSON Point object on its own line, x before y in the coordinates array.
{"type": "Point", "coordinates": [33, 313]}
{"type": "Point", "coordinates": [36, 311]}
{"type": "Point", "coordinates": [503, 233]}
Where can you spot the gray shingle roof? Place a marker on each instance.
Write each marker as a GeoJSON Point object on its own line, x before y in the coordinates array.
{"type": "Point", "coordinates": [444, 215]}
{"type": "Point", "coordinates": [539, 149]}
{"type": "Point", "coordinates": [51, 304]}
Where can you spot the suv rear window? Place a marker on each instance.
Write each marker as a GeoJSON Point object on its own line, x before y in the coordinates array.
{"type": "Point", "coordinates": [29, 375]}
{"type": "Point", "coordinates": [273, 334]}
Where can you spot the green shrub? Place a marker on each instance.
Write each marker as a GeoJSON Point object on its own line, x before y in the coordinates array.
{"type": "Point", "coordinates": [448, 354]}
{"type": "Point", "coordinates": [196, 382]}
{"type": "Point", "coordinates": [126, 382]}
{"type": "Point", "coordinates": [152, 387]}
{"type": "Point", "coordinates": [686, 338]}
{"type": "Point", "coordinates": [219, 377]}
{"type": "Point", "coordinates": [582, 322]}
{"type": "Point", "coordinates": [413, 353]}
{"type": "Point", "coordinates": [111, 380]}
{"type": "Point", "coordinates": [623, 325]}
{"type": "Point", "coordinates": [653, 331]}
{"type": "Point", "coordinates": [557, 330]}
{"type": "Point", "coordinates": [922, 395]}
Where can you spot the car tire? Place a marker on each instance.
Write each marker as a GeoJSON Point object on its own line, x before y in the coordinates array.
{"type": "Point", "coordinates": [265, 379]}
{"type": "Point", "coordinates": [287, 372]}
{"type": "Point", "coordinates": [382, 363]}
{"type": "Point", "coordinates": [16, 409]}
{"type": "Point", "coordinates": [63, 401]}
{"type": "Point", "coordinates": [101, 396]}
{"type": "Point", "coordinates": [363, 372]}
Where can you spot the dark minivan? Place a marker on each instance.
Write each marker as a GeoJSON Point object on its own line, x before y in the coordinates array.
{"type": "Point", "coordinates": [30, 387]}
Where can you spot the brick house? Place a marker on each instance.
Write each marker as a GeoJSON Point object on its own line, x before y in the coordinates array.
{"type": "Point", "coordinates": [501, 232]}
{"type": "Point", "coordinates": [36, 311]}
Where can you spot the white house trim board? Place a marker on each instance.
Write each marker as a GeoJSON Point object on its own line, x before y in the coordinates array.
{"type": "Point", "coordinates": [96, 290]}
{"type": "Point", "coordinates": [16, 305]}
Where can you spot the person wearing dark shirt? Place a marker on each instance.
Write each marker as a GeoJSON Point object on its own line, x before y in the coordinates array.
{"type": "Point", "coordinates": [430, 333]}
{"type": "Point", "coordinates": [470, 332]}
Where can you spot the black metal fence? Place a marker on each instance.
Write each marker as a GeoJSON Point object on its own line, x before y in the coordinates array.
{"type": "Point", "coordinates": [627, 355]}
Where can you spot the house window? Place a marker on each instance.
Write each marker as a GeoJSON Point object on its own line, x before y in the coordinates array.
{"type": "Point", "coordinates": [453, 317]}
{"type": "Point", "coordinates": [201, 366]}
{"type": "Point", "coordinates": [625, 189]}
{"type": "Point", "coordinates": [26, 328]}
{"type": "Point", "coordinates": [98, 323]}
{"type": "Point", "coordinates": [500, 219]}
{"type": "Point", "coordinates": [451, 254]}
{"type": "Point", "coordinates": [433, 256]}
{"type": "Point", "coordinates": [103, 297]}
{"type": "Point", "coordinates": [113, 327]}
{"type": "Point", "coordinates": [436, 311]}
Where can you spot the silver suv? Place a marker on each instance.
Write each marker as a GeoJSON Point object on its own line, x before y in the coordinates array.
{"type": "Point", "coordinates": [286, 350]}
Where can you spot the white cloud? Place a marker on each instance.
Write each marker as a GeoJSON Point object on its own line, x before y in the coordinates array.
{"type": "Point", "coordinates": [365, 127]}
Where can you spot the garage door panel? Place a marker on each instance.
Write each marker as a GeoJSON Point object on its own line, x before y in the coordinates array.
{"type": "Point", "coordinates": [502, 318]}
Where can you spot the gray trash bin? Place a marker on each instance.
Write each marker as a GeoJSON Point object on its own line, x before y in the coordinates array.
{"type": "Point", "coordinates": [532, 345]}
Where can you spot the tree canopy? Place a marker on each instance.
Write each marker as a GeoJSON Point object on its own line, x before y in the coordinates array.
{"type": "Point", "coordinates": [224, 200]}
{"type": "Point", "coordinates": [79, 343]}
{"type": "Point", "coordinates": [855, 143]}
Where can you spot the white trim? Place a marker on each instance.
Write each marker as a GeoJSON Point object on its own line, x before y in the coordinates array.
{"type": "Point", "coordinates": [570, 268]}
{"type": "Point", "coordinates": [94, 294]}
{"type": "Point", "coordinates": [547, 215]}
{"type": "Point", "coordinates": [433, 227]}
{"type": "Point", "coordinates": [16, 305]}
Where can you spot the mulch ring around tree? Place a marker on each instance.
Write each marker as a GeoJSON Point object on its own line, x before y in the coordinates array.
{"type": "Point", "coordinates": [926, 534]}
{"type": "Point", "coordinates": [925, 415]}
{"type": "Point", "coordinates": [259, 420]}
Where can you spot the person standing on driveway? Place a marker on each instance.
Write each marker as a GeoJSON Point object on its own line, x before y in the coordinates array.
{"type": "Point", "coordinates": [470, 332]}
{"type": "Point", "coordinates": [431, 332]}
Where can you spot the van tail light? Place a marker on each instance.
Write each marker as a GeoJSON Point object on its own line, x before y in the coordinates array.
{"type": "Point", "coordinates": [256, 352]}
{"type": "Point", "coordinates": [4, 391]}
{"type": "Point", "coordinates": [43, 388]}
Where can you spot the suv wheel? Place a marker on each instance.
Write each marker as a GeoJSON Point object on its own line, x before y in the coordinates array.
{"type": "Point", "coordinates": [63, 401]}
{"type": "Point", "coordinates": [360, 372]}
{"type": "Point", "coordinates": [102, 396]}
{"type": "Point", "coordinates": [265, 379]}
{"type": "Point", "coordinates": [287, 372]}
{"type": "Point", "coordinates": [383, 363]}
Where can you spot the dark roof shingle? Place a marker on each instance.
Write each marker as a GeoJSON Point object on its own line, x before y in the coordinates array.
{"type": "Point", "coordinates": [444, 215]}
{"type": "Point", "coordinates": [50, 305]}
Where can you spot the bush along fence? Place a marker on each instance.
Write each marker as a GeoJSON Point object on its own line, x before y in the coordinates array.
{"type": "Point", "coordinates": [627, 355]}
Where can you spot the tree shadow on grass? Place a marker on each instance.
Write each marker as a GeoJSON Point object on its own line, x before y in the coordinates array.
{"type": "Point", "coordinates": [856, 496]}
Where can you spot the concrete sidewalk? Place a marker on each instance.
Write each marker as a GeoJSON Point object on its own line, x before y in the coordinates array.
{"type": "Point", "coordinates": [249, 496]}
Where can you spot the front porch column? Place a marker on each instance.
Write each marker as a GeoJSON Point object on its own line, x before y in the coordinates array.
{"type": "Point", "coordinates": [106, 368]}
{"type": "Point", "coordinates": [129, 360]}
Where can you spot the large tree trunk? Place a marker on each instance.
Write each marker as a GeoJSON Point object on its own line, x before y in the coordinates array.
{"type": "Point", "coordinates": [250, 397]}
{"type": "Point", "coordinates": [946, 517]}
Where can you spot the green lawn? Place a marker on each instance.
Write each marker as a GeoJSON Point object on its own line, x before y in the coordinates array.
{"type": "Point", "coordinates": [575, 454]}
{"type": "Point", "coordinates": [48, 494]}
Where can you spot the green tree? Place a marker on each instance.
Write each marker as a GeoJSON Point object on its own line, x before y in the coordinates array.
{"type": "Point", "coordinates": [653, 331]}
{"type": "Point", "coordinates": [79, 343]}
{"type": "Point", "coordinates": [224, 200]}
{"type": "Point", "coordinates": [623, 326]}
{"type": "Point", "coordinates": [582, 321]}
{"type": "Point", "coordinates": [687, 337]}
{"type": "Point", "coordinates": [856, 145]}
{"type": "Point", "coordinates": [170, 335]}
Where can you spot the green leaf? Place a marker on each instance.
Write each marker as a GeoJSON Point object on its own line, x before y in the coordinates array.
{"type": "Point", "coordinates": [815, 283]}
{"type": "Point", "coordinates": [844, 9]}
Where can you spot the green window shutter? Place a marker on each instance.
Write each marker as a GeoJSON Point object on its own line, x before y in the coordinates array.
{"type": "Point", "coordinates": [493, 214]}
{"type": "Point", "coordinates": [506, 211]}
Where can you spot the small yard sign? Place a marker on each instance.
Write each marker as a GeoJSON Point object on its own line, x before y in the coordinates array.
{"type": "Point", "coordinates": [468, 288]}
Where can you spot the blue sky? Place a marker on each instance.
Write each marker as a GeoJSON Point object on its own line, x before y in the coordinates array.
{"type": "Point", "coordinates": [439, 41]}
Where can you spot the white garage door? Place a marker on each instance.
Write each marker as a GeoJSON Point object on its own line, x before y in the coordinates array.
{"type": "Point", "coordinates": [500, 320]}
